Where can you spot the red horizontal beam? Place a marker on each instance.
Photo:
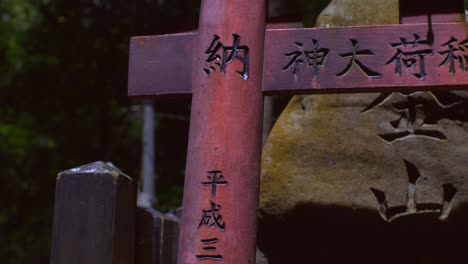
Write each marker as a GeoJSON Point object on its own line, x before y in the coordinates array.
{"type": "Point", "coordinates": [162, 65]}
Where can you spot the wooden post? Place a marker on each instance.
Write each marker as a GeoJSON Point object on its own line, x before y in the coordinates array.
{"type": "Point", "coordinates": [94, 216]}
{"type": "Point", "coordinates": [149, 238]}
{"type": "Point", "coordinates": [171, 235]}
{"type": "Point", "coordinates": [157, 237]}
{"type": "Point", "coordinates": [223, 164]}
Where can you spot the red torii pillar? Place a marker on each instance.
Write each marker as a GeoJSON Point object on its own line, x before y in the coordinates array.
{"type": "Point", "coordinates": [223, 164]}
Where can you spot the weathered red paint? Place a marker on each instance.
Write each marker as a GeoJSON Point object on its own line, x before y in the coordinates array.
{"type": "Point", "coordinates": [225, 135]}
{"type": "Point", "coordinates": [160, 56]}
{"type": "Point", "coordinates": [378, 39]}
{"type": "Point", "coordinates": [161, 65]}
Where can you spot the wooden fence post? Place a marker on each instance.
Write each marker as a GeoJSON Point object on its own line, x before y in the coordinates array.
{"type": "Point", "coordinates": [157, 237]}
{"type": "Point", "coordinates": [149, 238]}
{"type": "Point", "coordinates": [171, 234]}
{"type": "Point", "coordinates": [94, 216]}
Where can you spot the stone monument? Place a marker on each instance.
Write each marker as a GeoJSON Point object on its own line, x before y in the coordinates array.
{"type": "Point", "coordinates": [367, 178]}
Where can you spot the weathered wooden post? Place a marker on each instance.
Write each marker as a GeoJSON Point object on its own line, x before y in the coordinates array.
{"type": "Point", "coordinates": [148, 241]}
{"type": "Point", "coordinates": [94, 216]}
{"type": "Point", "coordinates": [428, 51]}
{"type": "Point", "coordinates": [157, 237]}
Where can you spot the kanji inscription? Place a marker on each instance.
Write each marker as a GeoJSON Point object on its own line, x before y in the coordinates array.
{"type": "Point", "coordinates": [209, 250]}
{"type": "Point", "coordinates": [220, 56]}
{"type": "Point", "coordinates": [409, 56]}
{"type": "Point", "coordinates": [212, 217]}
{"type": "Point", "coordinates": [215, 178]}
{"type": "Point", "coordinates": [419, 113]}
{"type": "Point", "coordinates": [308, 60]}
{"type": "Point", "coordinates": [412, 207]}
{"type": "Point", "coordinates": [455, 52]}
{"type": "Point", "coordinates": [315, 58]}
{"type": "Point", "coordinates": [353, 60]}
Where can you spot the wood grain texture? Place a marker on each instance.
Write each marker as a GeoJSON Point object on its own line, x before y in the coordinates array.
{"type": "Point", "coordinates": [159, 52]}
{"type": "Point", "coordinates": [157, 237]}
{"type": "Point", "coordinates": [170, 239]}
{"type": "Point", "coordinates": [161, 65]}
{"type": "Point", "coordinates": [377, 39]}
{"type": "Point", "coordinates": [94, 216]}
{"type": "Point", "coordinates": [225, 135]}
{"type": "Point", "coordinates": [149, 236]}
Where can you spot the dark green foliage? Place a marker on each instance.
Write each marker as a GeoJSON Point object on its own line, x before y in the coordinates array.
{"type": "Point", "coordinates": [63, 103]}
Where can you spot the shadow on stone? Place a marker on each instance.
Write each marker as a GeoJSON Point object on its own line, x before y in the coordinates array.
{"type": "Point", "coordinates": [313, 233]}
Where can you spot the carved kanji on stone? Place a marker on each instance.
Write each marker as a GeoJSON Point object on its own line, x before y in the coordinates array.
{"type": "Point", "coordinates": [419, 113]}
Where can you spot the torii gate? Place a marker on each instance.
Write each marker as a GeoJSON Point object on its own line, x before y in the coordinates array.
{"type": "Point", "coordinates": [233, 60]}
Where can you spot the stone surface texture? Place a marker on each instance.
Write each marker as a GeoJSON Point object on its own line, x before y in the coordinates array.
{"type": "Point", "coordinates": [261, 259]}
{"type": "Point", "coordinates": [331, 149]}
{"type": "Point", "coordinates": [359, 13]}
{"type": "Point", "coordinates": [385, 157]}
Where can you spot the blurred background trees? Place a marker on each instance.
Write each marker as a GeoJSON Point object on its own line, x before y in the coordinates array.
{"type": "Point", "coordinates": [63, 103]}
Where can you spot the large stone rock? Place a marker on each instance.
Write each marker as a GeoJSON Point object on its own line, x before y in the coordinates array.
{"type": "Point", "coordinates": [333, 149]}
{"type": "Point", "coordinates": [366, 178]}
{"type": "Point", "coordinates": [359, 12]}
{"type": "Point", "coordinates": [261, 259]}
